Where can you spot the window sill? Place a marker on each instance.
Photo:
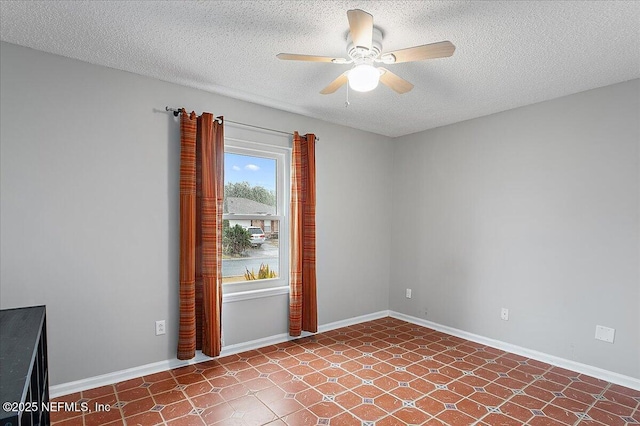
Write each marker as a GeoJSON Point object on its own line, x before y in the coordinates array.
{"type": "Point", "coordinates": [254, 294]}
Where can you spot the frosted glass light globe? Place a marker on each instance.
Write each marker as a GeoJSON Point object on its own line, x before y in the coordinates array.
{"type": "Point", "coordinates": [363, 78]}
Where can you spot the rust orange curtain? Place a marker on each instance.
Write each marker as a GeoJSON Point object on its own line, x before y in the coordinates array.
{"type": "Point", "coordinates": [303, 305]}
{"type": "Point", "coordinates": [201, 197]}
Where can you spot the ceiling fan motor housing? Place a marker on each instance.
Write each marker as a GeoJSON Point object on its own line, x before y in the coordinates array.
{"type": "Point", "coordinates": [358, 52]}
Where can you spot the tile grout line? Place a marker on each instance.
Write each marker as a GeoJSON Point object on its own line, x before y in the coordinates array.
{"type": "Point", "coordinates": [258, 398]}
{"type": "Point", "coordinates": [578, 420]}
{"type": "Point", "coordinates": [548, 369]}
{"type": "Point", "coordinates": [380, 361]}
{"type": "Point", "coordinates": [417, 362]}
{"type": "Point", "coordinates": [514, 394]}
{"type": "Point", "coordinates": [434, 390]}
{"type": "Point", "coordinates": [427, 394]}
{"type": "Point", "coordinates": [388, 328]}
{"type": "Point", "coordinates": [593, 404]}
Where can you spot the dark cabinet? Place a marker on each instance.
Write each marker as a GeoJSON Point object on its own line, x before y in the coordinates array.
{"type": "Point", "coordinates": [24, 376]}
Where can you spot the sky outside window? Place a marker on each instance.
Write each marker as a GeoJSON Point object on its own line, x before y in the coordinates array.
{"type": "Point", "coordinates": [257, 171]}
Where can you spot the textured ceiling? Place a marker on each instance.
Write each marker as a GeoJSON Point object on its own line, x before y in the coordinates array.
{"type": "Point", "coordinates": [508, 53]}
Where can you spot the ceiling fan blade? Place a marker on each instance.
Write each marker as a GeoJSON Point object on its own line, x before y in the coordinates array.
{"type": "Point", "coordinates": [309, 58]}
{"type": "Point", "coordinates": [361, 28]}
{"type": "Point", "coordinates": [396, 83]}
{"type": "Point", "coordinates": [335, 84]}
{"type": "Point", "coordinates": [441, 49]}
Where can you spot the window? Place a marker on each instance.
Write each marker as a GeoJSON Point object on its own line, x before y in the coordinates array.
{"type": "Point", "coordinates": [255, 216]}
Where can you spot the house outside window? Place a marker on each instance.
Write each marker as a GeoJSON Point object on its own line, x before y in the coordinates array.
{"type": "Point", "coordinates": [255, 217]}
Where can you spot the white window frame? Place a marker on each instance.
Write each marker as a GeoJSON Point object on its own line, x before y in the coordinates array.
{"type": "Point", "coordinates": [282, 155]}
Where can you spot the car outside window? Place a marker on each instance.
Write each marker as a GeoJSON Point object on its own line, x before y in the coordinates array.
{"type": "Point", "coordinates": [256, 199]}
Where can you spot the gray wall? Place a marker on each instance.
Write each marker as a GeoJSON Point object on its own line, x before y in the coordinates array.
{"type": "Point", "coordinates": [89, 212]}
{"type": "Point", "coordinates": [534, 209]}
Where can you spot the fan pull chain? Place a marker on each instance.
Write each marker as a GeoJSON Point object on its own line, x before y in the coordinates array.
{"type": "Point", "coordinates": [346, 104]}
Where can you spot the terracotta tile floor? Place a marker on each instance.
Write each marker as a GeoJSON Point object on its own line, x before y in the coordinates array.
{"type": "Point", "coordinates": [383, 372]}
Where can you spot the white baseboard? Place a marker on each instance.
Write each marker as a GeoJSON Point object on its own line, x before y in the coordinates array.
{"type": "Point", "coordinates": [119, 376]}
{"type": "Point", "coordinates": [156, 367]}
{"type": "Point", "coordinates": [596, 372]}
{"type": "Point", "coordinates": [351, 321]}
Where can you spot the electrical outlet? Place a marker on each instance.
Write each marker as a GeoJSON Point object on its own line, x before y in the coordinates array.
{"type": "Point", "coordinates": [605, 334]}
{"type": "Point", "coordinates": [160, 328]}
{"type": "Point", "coordinates": [408, 293]}
{"type": "Point", "coordinates": [504, 314]}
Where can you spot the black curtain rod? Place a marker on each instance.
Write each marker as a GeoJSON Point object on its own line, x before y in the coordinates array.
{"type": "Point", "coordinates": [177, 111]}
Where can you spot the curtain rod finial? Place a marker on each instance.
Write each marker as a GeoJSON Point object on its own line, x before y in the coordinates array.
{"type": "Point", "coordinates": [176, 112]}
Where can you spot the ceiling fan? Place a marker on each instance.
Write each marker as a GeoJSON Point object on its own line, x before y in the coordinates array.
{"type": "Point", "coordinates": [364, 47]}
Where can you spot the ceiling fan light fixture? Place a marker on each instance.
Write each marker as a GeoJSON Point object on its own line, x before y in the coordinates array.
{"type": "Point", "coordinates": [363, 78]}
